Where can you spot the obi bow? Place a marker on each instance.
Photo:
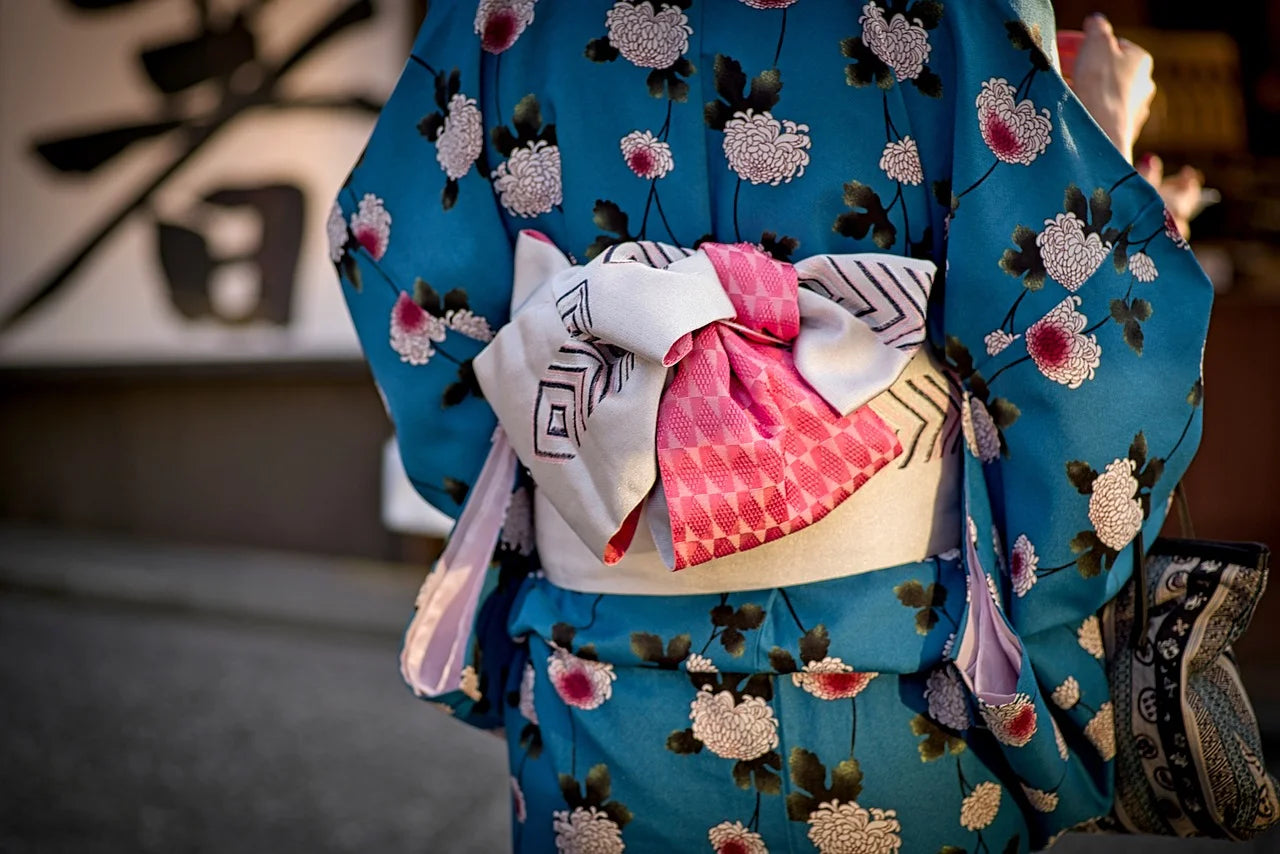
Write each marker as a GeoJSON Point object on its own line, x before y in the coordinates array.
{"type": "Point", "coordinates": [703, 393]}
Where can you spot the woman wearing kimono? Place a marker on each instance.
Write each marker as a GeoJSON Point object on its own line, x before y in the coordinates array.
{"type": "Point", "coordinates": [851, 314]}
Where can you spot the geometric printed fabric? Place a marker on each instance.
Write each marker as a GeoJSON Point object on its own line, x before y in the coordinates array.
{"type": "Point", "coordinates": [748, 452]}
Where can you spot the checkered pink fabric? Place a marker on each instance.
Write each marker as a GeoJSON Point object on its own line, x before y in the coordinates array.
{"type": "Point", "coordinates": [747, 450]}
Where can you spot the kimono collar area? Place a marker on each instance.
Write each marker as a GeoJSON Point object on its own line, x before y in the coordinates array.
{"type": "Point", "coordinates": [706, 394]}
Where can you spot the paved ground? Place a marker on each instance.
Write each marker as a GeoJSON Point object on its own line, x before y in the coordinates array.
{"type": "Point", "coordinates": [160, 699]}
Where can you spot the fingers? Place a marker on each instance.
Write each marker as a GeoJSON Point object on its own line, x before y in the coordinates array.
{"type": "Point", "coordinates": [1099, 48]}
{"type": "Point", "coordinates": [1151, 167]}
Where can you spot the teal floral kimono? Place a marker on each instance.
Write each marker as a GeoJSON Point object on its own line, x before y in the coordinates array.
{"type": "Point", "coordinates": [957, 704]}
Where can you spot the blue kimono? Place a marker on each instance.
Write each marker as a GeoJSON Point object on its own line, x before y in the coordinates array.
{"type": "Point", "coordinates": [841, 715]}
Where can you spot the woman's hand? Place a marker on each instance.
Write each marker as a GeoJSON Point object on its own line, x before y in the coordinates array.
{"type": "Point", "coordinates": [1112, 78]}
{"type": "Point", "coordinates": [1182, 192]}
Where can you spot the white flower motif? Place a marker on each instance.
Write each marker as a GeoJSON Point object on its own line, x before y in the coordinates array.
{"type": "Point", "coordinates": [1070, 256]}
{"type": "Point", "coordinates": [1172, 231]}
{"type": "Point", "coordinates": [980, 432]}
{"type": "Point", "coordinates": [949, 645]}
{"type": "Point", "coordinates": [526, 706]}
{"type": "Point", "coordinates": [469, 683]}
{"type": "Point", "coordinates": [998, 340]}
{"type": "Point", "coordinates": [461, 138]}
{"type": "Point", "coordinates": [831, 679]}
{"type": "Point", "coordinates": [1022, 565]}
{"type": "Point", "coordinates": [1059, 347]}
{"type": "Point", "coordinates": [648, 38]}
{"type": "Point", "coordinates": [517, 526]}
{"type": "Point", "coordinates": [697, 663]}
{"type": "Point", "coordinates": [901, 162]}
{"type": "Point", "coordinates": [945, 694]}
{"type": "Point", "coordinates": [646, 155]}
{"type": "Point", "coordinates": [1040, 800]}
{"type": "Point", "coordinates": [466, 322]}
{"type": "Point", "coordinates": [580, 682]}
{"type": "Point", "coordinates": [500, 22]}
{"type": "Point", "coordinates": [371, 226]}
{"type": "Point", "coordinates": [1142, 267]}
{"type": "Point", "coordinates": [733, 730]}
{"type": "Point", "coordinates": [337, 231]}
{"type": "Point", "coordinates": [1101, 731]}
{"type": "Point", "coordinates": [1066, 695]}
{"type": "Point", "coordinates": [846, 828]}
{"type": "Point", "coordinates": [529, 182]}
{"type": "Point", "coordinates": [898, 43]}
{"type": "Point", "coordinates": [1012, 723]}
{"type": "Point", "coordinates": [1089, 635]}
{"type": "Point", "coordinates": [1059, 740]}
{"type": "Point", "coordinates": [764, 150]}
{"type": "Point", "coordinates": [979, 807]}
{"type": "Point", "coordinates": [1014, 132]}
{"type": "Point", "coordinates": [413, 330]}
{"type": "Point", "coordinates": [586, 830]}
{"type": "Point", "coordinates": [517, 801]}
{"type": "Point", "coordinates": [734, 838]}
{"type": "Point", "coordinates": [1114, 510]}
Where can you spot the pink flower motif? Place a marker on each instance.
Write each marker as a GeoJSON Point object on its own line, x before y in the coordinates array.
{"type": "Point", "coordinates": [734, 838]}
{"type": "Point", "coordinates": [371, 225]}
{"type": "Point", "coordinates": [1172, 231]}
{"type": "Point", "coordinates": [413, 330]}
{"type": "Point", "coordinates": [500, 22]}
{"type": "Point", "coordinates": [1014, 132]}
{"type": "Point", "coordinates": [1059, 348]}
{"type": "Point", "coordinates": [580, 682]}
{"type": "Point", "coordinates": [646, 155]}
{"type": "Point", "coordinates": [769, 4]}
{"type": "Point", "coordinates": [898, 43]}
{"type": "Point", "coordinates": [1012, 723]}
{"type": "Point", "coordinates": [831, 679]}
{"type": "Point", "coordinates": [1022, 565]}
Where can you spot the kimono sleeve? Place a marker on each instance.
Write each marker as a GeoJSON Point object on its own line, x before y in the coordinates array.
{"type": "Point", "coordinates": [1075, 315]}
{"type": "Point", "coordinates": [425, 259]}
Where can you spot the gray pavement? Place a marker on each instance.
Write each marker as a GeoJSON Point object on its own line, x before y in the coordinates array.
{"type": "Point", "coordinates": [156, 698]}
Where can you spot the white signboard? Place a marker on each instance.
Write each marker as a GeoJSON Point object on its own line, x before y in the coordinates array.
{"type": "Point", "coordinates": [166, 168]}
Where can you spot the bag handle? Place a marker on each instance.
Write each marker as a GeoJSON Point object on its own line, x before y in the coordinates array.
{"type": "Point", "coordinates": [1138, 630]}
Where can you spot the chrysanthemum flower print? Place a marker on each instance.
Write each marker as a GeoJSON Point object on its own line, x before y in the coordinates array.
{"type": "Point", "coordinates": [997, 341]}
{"type": "Point", "coordinates": [528, 183]}
{"type": "Point", "coordinates": [371, 226]}
{"type": "Point", "coordinates": [697, 663]}
{"type": "Point", "coordinates": [831, 679]}
{"type": "Point", "coordinates": [765, 150]}
{"type": "Point", "coordinates": [1066, 695]}
{"type": "Point", "coordinates": [1101, 731]}
{"type": "Point", "coordinates": [646, 155]}
{"type": "Point", "coordinates": [1012, 723]}
{"type": "Point", "coordinates": [836, 828]}
{"type": "Point", "coordinates": [1089, 635]}
{"type": "Point", "coordinates": [527, 709]}
{"type": "Point", "coordinates": [901, 44]}
{"type": "Point", "coordinates": [900, 161]}
{"type": "Point", "coordinates": [1070, 256]}
{"type": "Point", "coordinates": [1142, 267]}
{"type": "Point", "coordinates": [1023, 562]}
{"type": "Point", "coordinates": [734, 838]}
{"type": "Point", "coordinates": [769, 4]}
{"type": "Point", "coordinates": [733, 729]}
{"type": "Point", "coordinates": [500, 22]}
{"type": "Point", "coordinates": [1172, 231]}
{"type": "Point", "coordinates": [1060, 349]}
{"type": "Point", "coordinates": [336, 229]}
{"type": "Point", "coordinates": [586, 830]}
{"type": "Point", "coordinates": [461, 137]}
{"type": "Point", "coordinates": [580, 682]}
{"type": "Point", "coordinates": [979, 807]}
{"type": "Point", "coordinates": [1059, 741]}
{"type": "Point", "coordinates": [466, 322]}
{"type": "Point", "coordinates": [1014, 131]}
{"type": "Point", "coordinates": [517, 526]}
{"type": "Point", "coordinates": [1040, 800]}
{"type": "Point", "coordinates": [947, 699]}
{"type": "Point", "coordinates": [1114, 510]}
{"type": "Point", "coordinates": [414, 331]}
{"type": "Point", "coordinates": [646, 36]}
{"type": "Point", "coordinates": [980, 432]}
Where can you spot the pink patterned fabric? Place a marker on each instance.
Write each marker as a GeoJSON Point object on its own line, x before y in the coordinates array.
{"type": "Point", "coordinates": [748, 452]}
